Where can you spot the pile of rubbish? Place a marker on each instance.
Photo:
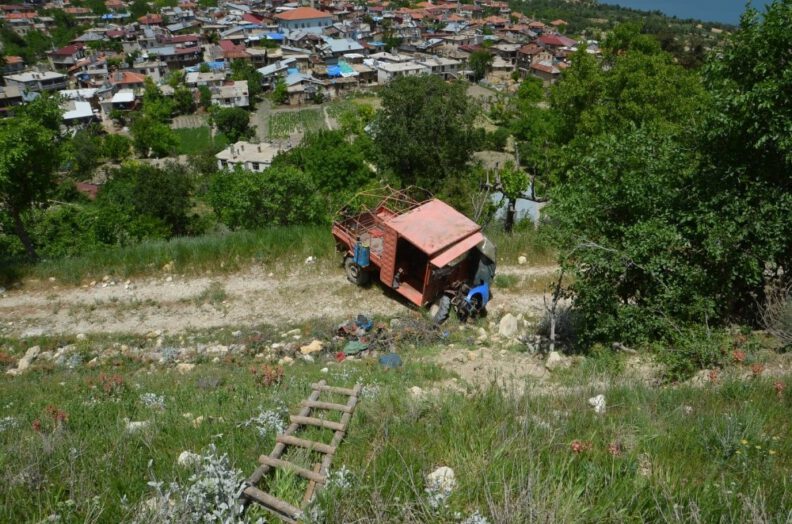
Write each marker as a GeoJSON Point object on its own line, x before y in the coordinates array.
{"type": "Point", "coordinates": [362, 337]}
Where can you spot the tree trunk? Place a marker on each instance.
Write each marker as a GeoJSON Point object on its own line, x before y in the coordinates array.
{"type": "Point", "coordinates": [21, 232]}
{"type": "Point", "coordinates": [511, 211]}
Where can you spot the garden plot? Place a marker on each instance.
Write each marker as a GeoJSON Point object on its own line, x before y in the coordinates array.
{"type": "Point", "coordinates": [282, 125]}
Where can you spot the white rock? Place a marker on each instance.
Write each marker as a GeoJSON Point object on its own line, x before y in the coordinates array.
{"type": "Point", "coordinates": [522, 260]}
{"type": "Point", "coordinates": [217, 350]}
{"type": "Point", "coordinates": [556, 361]}
{"type": "Point", "coordinates": [291, 333]}
{"type": "Point", "coordinates": [310, 260]}
{"type": "Point", "coordinates": [286, 361]}
{"type": "Point", "coordinates": [324, 370]}
{"type": "Point", "coordinates": [82, 336]}
{"type": "Point", "coordinates": [188, 459]}
{"type": "Point", "coordinates": [598, 403]}
{"type": "Point", "coordinates": [169, 279]}
{"type": "Point", "coordinates": [32, 352]}
{"type": "Point", "coordinates": [416, 392]}
{"type": "Point", "coordinates": [134, 426]}
{"type": "Point", "coordinates": [308, 358]}
{"type": "Point", "coordinates": [314, 347]}
{"type": "Point", "coordinates": [441, 480]}
{"type": "Point", "coordinates": [508, 326]}
{"type": "Point", "coordinates": [184, 368]}
{"type": "Point", "coordinates": [197, 421]}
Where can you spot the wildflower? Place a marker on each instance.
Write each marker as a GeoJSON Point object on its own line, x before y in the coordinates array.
{"type": "Point", "coordinates": [37, 426]}
{"type": "Point", "coordinates": [578, 446]}
{"type": "Point", "coordinates": [152, 400]}
{"type": "Point", "coordinates": [615, 449]}
{"type": "Point", "coordinates": [744, 442]}
{"type": "Point", "coordinates": [738, 452]}
{"type": "Point", "coordinates": [7, 423]}
{"type": "Point", "coordinates": [713, 375]}
{"type": "Point", "coordinates": [758, 447]}
{"type": "Point", "coordinates": [779, 389]}
{"type": "Point", "coordinates": [738, 356]}
{"type": "Point", "coordinates": [757, 369]}
{"type": "Point", "coordinates": [772, 452]}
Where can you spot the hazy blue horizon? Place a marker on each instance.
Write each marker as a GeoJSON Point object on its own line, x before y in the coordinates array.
{"type": "Point", "coordinates": [723, 11]}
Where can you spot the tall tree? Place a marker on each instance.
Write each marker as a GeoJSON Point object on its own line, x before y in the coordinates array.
{"type": "Point", "coordinates": [233, 122]}
{"type": "Point", "coordinates": [424, 131]}
{"type": "Point", "coordinates": [480, 63]}
{"type": "Point", "coordinates": [29, 145]}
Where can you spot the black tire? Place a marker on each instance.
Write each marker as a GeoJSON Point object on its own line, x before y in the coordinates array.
{"type": "Point", "coordinates": [355, 273]}
{"type": "Point", "coordinates": [443, 309]}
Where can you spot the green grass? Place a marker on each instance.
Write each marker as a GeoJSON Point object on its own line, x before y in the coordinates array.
{"type": "Point", "coordinates": [717, 453]}
{"type": "Point", "coordinates": [198, 140]}
{"type": "Point", "coordinates": [220, 252]}
{"type": "Point", "coordinates": [283, 124]}
{"type": "Point", "coordinates": [231, 251]}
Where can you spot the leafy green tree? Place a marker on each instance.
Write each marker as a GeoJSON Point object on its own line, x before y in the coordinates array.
{"type": "Point", "coordinates": [513, 183]}
{"type": "Point", "coordinates": [627, 37]}
{"type": "Point", "coordinates": [205, 97]}
{"type": "Point", "coordinates": [233, 122]}
{"type": "Point", "coordinates": [156, 106]}
{"type": "Point", "coordinates": [280, 93]}
{"type": "Point", "coordinates": [334, 165]}
{"type": "Point", "coordinates": [152, 138]}
{"type": "Point", "coordinates": [424, 133]}
{"type": "Point", "coordinates": [639, 88]}
{"type": "Point", "coordinates": [183, 100]}
{"type": "Point", "coordinates": [480, 63]}
{"type": "Point", "coordinates": [116, 147]}
{"type": "Point", "coordinates": [244, 70]}
{"type": "Point", "coordinates": [162, 194]}
{"type": "Point", "coordinates": [743, 191]}
{"type": "Point", "coordinates": [279, 196]}
{"type": "Point", "coordinates": [85, 151]}
{"type": "Point", "coordinates": [29, 154]}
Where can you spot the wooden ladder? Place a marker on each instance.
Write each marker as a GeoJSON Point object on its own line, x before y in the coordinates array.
{"type": "Point", "coordinates": [318, 475]}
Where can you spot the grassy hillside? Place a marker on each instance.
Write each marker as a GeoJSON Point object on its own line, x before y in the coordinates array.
{"type": "Point", "coordinates": [718, 451]}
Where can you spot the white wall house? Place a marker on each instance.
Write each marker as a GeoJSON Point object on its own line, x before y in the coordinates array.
{"type": "Point", "coordinates": [306, 19]}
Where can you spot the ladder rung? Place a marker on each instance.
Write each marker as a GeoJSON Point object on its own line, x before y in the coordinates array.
{"type": "Point", "coordinates": [304, 473]}
{"type": "Point", "coordinates": [311, 421]}
{"type": "Point", "coordinates": [307, 444]}
{"type": "Point", "coordinates": [333, 389]}
{"type": "Point", "coordinates": [280, 507]}
{"type": "Point", "coordinates": [326, 405]}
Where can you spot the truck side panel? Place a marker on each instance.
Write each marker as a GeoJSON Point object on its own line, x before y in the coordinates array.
{"type": "Point", "coordinates": [388, 261]}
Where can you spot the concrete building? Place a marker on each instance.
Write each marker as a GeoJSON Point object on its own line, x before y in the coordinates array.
{"type": "Point", "coordinates": [35, 81]}
{"type": "Point", "coordinates": [253, 157]}
{"type": "Point", "coordinates": [232, 94]}
{"type": "Point", "coordinates": [306, 19]}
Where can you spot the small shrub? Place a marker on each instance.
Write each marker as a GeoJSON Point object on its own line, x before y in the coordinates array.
{"type": "Point", "coordinates": [267, 375]}
{"type": "Point", "coordinates": [693, 349]}
{"type": "Point", "coordinates": [777, 314]}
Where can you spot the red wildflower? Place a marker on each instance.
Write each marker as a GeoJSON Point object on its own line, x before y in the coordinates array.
{"type": "Point", "coordinates": [37, 426]}
{"type": "Point", "coordinates": [779, 389]}
{"type": "Point", "coordinates": [713, 375]}
{"type": "Point", "coordinates": [739, 356]}
{"type": "Point", "coordinates": [757, 369]}
{"type": "Point", "coordinates": [579, 446]}
{"type": "Point", "coordinates": [615, 448]}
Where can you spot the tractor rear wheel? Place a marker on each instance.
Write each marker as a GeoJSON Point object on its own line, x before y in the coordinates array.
{"type": "Point", "coordinates": [441, 309]}
{"type": "Point", "coordinates": [355, 273]}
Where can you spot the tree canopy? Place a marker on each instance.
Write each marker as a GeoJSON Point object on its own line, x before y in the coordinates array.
{"type": "Point", "coordinates": [424, 134]}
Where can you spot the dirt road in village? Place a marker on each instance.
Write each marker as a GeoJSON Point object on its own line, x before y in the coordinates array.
{"type": "Point", "coordinates": [257, 295]}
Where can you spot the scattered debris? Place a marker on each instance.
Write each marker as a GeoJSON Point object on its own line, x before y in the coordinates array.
{"type": "Point", "coordinates": [316, 346]}
{"type": "Point", "coordinates": [390, 361]}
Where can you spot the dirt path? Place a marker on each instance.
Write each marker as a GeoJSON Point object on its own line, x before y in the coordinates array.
{"type": "Point", "coordinates": [175, 304]}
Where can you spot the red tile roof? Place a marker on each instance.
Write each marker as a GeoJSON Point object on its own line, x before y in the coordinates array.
{"type": "Point", "coordinates": [68, 50]}
{"type": "Point", "coordinates": [302, 13]}
{"type": "Point", "coordinates": [127, 77]}
{"type": "Point", "coordinates": [150, 19]}
{"type": "Point", "coordinates": [253, 19]}
{"type": "Point", "coordinates": [555, 41]}
{"type": "Point", "coordinates": [20, 16]}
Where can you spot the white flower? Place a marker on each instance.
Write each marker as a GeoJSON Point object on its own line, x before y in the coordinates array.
{"type": "Point", "coordinates": [152, 400]}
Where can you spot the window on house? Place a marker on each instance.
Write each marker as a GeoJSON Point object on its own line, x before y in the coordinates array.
{"type": "Point", "coordinates": [255, 166]}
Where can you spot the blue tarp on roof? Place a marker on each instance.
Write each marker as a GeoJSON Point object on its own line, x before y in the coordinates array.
{"type": "Point", "coordinates": [333, 71]}
{"type": "Point", "coordinates": [292, 71]}
{"type": "Point", "coordinates": [274, 36]}
{"type": "Point", "coordinates": [217, 65]}
{"type": "Point", "coordinates": [377, 44]}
